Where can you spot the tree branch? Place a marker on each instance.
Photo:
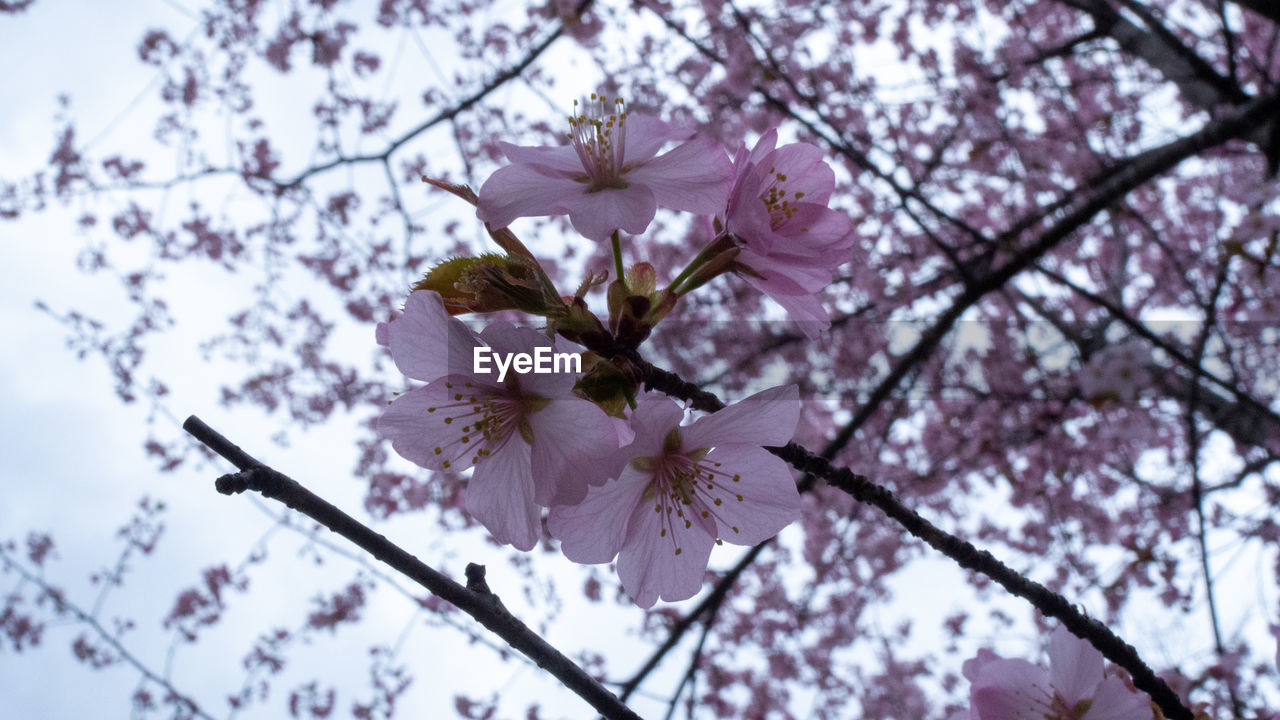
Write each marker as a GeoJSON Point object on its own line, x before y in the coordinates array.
{"type": "Point", "coordinates": [475, 599]}
{"type": "Point", "coordinates": [1136, 172]}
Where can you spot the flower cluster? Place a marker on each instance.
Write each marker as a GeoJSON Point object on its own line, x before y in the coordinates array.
{"type": "Point", "coordinates": [616, 470]}
{"type": "Point", "coordinates": [534, 444]}
{"type": "Point", "coordinates": [769, 205]}
{"type": "Point", "coordinates": [511, 430]}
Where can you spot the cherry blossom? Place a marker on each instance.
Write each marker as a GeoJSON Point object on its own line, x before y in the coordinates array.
{"type": "Point", "coordinates": [683, 490]}
{"type": "Point", "coordinates": [531, 441]}
{"type": "Point", "coordinates": [1075, 687]}
{"type": "Point", "coordinates": [610, 176]}
{"type": "Point", "coordinates": [789, 239]}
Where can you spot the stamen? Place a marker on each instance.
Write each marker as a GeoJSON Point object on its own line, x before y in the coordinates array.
{"type": "Point", "coordinates": [682, 478]}
{"type": "Point", "coordinates": [487, 422]}
{"type": "Point", "coordinates": [598, 134]}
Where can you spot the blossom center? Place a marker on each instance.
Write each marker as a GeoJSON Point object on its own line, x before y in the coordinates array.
{"type": "Point", "coordinates": [780, 202]}
{"type": "Point", "coordinates": [598, 134]}
{"type": "Point", "coordinates": [479, 421]}
{"type": "Point", "coordinates": [1053, 706]}
{"type": "Point", "coordinates": [685, 488]}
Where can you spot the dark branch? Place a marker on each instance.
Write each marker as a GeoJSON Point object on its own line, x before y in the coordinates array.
{"type": "Point", "coordinates": [475, 600]}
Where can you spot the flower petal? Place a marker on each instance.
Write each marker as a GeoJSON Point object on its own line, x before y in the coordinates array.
{"type": "Point", "coordinates": [517, 191]}
{"type": "Point", "coordinates": [805, 172]}
{"type": "Point", "coordinates": [574, 445]}
{"type": "Point", "coordinates": [597, 214]}
{"type": "Point", "coordinates": [1075, 666]}
{"type": "Point", "coordinates": [694, 177]}
{"type": "Point", "coordinates": [646, 135]}
{"type": "Point", "coordinates": [424, 427]}
{"type": "Point", "coordinates": [815, 231]}
{"type": "Point", "coordinates": [594, 530]}
{"type": "Point", "coordinates": [662, 559]}
{"type": "Point", "coordinates": [427, 344]}
{"type": "Point", "coordinates": [767, 418]}
{"type": "Point", "coordinates": [757, 493]}
{"type": "Point", "coordinates": [973, 666]}
{"type": "Point", "coordinates": [777, 278]}
{"type": "Point", "coordinates": [549, 160]}
{"type": "Point", "coordinates": [746, 216]}
{"type": "Point", "coordinates": [655, 415]}
{"type": "Point", "coordinates": [805, 310]}
{"type": "Point", "coordinates": [765, 145]}
{"type": "Point", "coordinates": [1113, 701]}
{"type": "Point", "coordinates": [500, 496]}
{"type": "Point", "coordinates": [1010, 690]}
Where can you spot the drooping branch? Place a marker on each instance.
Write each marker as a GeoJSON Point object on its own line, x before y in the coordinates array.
{"type": "Point", "coordinates": [475, 599]}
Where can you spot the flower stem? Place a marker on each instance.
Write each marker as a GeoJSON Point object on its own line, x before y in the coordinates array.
{"type": "Point", "coordinates": [617, 259]}
{"type": "Point", "coordinates": [721, 243]}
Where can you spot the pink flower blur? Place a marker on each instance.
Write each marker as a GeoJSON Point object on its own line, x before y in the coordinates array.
{"type": "Point", "coordinates": [790, 240]}
{"type": "Point", "coordinates": [682, 490]}
{"type": "Point", "coordinates": [531, 441]}
{"type": "Point", "coordinates": [610, 176]}
{"type": "Point", "coordinates": [1075, 687]}
{"type": "Point", "coordinates": [1119, 371]}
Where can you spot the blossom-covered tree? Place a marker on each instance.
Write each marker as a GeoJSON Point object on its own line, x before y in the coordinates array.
{"type": "Point", "coordinates": [975, 300]}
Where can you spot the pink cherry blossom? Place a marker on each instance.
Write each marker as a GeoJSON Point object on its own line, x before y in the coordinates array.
{"type": "Point", "coordinates": [789, 239]}
{"type": "Point", "coordinates": [610, 176]}
{"type": "Point", "coordinates": [531, 441]}
{"type": "Point", "coordinates": [1075, 687]}
{"type": "Point", "coordinates": [683, 490]}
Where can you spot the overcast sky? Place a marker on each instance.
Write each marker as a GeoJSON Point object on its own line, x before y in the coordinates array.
{"type": "Point", "coordinates": [70, 452]}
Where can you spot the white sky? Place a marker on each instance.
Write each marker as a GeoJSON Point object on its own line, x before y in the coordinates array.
{"type": "Point", "coordinates": [71, 459]}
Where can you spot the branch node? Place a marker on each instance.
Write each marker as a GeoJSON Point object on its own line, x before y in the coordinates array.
{"type": "Point", "coordinates": [232, 483]}
{"type": "Point", "coordinates": [475, 580]}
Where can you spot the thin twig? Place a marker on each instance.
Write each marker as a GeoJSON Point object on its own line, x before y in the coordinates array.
{"type": "Point", "coordinates": [62, 605]}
